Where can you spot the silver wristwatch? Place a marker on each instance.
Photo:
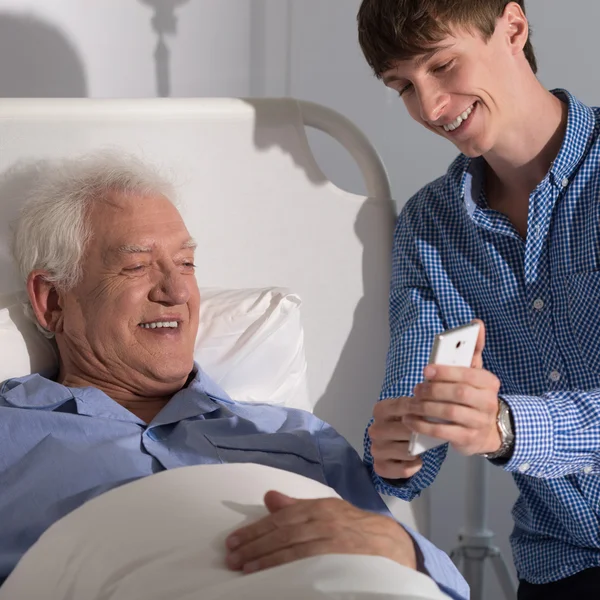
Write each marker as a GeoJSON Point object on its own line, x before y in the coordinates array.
{"type": "Point", "coordinates": [505, 427]}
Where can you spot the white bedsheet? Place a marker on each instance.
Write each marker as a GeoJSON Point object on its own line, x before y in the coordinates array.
{"type": "Point", "coordinates": [162, 537]}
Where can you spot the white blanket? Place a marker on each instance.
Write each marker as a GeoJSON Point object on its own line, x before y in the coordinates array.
{"type": "Point", "coordinates": [162, 537]}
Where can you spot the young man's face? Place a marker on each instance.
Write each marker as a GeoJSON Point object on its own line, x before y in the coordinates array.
{"type": "Point", "coordinates": [463, 90]}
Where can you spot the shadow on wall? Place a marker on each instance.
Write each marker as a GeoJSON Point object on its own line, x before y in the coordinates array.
{"type": "Point", "coordinates": [274, 124]}
{"type": "Point", "coordinates": [365, 349]}
{"type": "Point", "coordinates": [164, 23]}
{"type": "Point", "coordinates": [37, 60]}
{"type": "Point", "coordinates": [279, 124]}
{"type": "Point", "coordinates": [257, 54]}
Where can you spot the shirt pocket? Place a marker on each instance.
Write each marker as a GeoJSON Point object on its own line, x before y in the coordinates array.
{"type": "Point", "coordinates": [583, 293]}
{"type": "Point", "coordinates": [284, 451]}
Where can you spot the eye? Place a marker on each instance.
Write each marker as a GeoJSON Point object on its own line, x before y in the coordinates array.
{"type": "Point", "coordinates": [445, 67]}
{"type": "Point", "coordinates": [405, 89]}
{"type": "Point", "coordinates": [136, 268]}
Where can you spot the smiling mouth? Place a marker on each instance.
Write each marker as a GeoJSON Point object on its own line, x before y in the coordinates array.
{"type": "Point", "coordinates": [160, 325]}
{"type": "Point", "coordinates": [459, 120]}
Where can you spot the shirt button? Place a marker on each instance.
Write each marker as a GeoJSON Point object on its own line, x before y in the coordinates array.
{"type": "Point", "coordinates": [538, 304]}
{"type": "Point", "coordinates": [524, 467]}
{"type": "Point", "coordinates": [587, 470]}
{"type": "Point", "coordinates": [555, 376]}
{"type": "Point", "coordinates": [565, 182]}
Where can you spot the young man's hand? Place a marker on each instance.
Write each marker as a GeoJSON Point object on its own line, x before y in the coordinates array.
{"type": "Point", "coordinates": [297, 529]}
{"type": "Point", "coordinates": [389, 440]}
{"type": "Point", "coordinates": [467, 397]}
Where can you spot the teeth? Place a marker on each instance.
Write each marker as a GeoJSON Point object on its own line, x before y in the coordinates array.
{"type": "Point", "coordinates": [154, 325]}
{"type": "Point", "coordinates": [459, 120]}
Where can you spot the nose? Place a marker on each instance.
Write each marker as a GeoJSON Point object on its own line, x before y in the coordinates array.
{"type": "Point", "coordinates": [432, 103]}
{"type": "Point", "coordinates": [172, 289]}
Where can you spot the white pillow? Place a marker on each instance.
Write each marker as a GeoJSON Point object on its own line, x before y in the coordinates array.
{"type": "Point", "coordinates": [250, 341]}
{"type": "Point", "coordinates": [163, 536]}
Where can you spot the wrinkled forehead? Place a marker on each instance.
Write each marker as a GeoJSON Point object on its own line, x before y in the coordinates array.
{"type": "Point", "coordinates": [149, 222]}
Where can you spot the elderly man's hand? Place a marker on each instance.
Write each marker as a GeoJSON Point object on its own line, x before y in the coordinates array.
{"type": "Point", "coordinates": [389, 440]}
{"type": "Point", "coordinates": [298, 529]}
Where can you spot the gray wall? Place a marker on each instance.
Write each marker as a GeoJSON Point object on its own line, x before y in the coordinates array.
{"type": "Point", "coordinates": [302, 48]}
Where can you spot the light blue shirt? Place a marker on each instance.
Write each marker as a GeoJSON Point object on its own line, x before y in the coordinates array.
{"type": "Point", "coordinates": [455, 259]}
{"type": "Point", "coordinates": [61, 446]}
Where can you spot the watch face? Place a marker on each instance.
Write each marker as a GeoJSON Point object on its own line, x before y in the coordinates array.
{"type": "Point", "coordinates": [504, 420]}
{"type": "Point", "coordinates": [505, 423]}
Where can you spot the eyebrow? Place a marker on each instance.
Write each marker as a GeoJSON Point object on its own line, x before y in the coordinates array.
{"type": "Point", "coordinates": [189, 244]}
{"type": "Point", "coordinates": [133, 249]}
{"type": "Point", "coordinates": [421, 59]}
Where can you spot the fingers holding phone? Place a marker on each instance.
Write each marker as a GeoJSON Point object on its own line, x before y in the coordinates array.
{"type": "Point", "coordinates": [390, 440]}
{"type": "Point", "coordinates": [477, 361]}
{"type": "Point", "coordinates": [458, 347]}
{"type": "Point", "coordinates": [458, 401]}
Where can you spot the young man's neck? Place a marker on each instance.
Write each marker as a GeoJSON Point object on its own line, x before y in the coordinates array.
{"type": "Point", "coordinates": [528, 149]}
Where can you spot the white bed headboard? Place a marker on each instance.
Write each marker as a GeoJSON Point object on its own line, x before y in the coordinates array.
{"type": "Point", "coordinates": [261, 210]}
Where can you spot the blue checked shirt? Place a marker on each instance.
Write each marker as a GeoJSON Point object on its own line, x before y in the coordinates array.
{"type": "Point", "coordinates": [455, 259]}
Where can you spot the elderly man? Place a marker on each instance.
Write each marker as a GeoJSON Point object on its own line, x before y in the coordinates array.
{"type": "Point", "coordinates": [109, 269]}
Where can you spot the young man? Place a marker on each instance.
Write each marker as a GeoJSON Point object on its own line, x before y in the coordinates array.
{"type": "Point", "coordinates": [509, 235]}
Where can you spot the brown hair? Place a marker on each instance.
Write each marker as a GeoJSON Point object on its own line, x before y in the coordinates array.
{"type": "Point", "coordinates": [390, 30]}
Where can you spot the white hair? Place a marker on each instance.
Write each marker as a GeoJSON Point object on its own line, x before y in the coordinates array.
{"type": "Point", "coordinates": [53, 229]}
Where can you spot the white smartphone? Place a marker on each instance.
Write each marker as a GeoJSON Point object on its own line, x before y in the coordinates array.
{"type": "Point", "coordinates": [454, 347]}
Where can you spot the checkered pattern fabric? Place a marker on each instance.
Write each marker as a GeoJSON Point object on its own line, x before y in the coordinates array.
{"type": "Point", "coordinates": [455, 259]}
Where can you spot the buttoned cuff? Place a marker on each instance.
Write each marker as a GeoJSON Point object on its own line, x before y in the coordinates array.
{"type": "Point", "coordinates": [534, 435]}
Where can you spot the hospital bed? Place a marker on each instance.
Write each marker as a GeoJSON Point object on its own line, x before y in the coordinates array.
{"type": "Point", "coordinates": [274, 236]}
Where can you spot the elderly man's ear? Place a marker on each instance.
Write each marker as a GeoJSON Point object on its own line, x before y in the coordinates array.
{"type": "Point", "coordinates": [46, 301]}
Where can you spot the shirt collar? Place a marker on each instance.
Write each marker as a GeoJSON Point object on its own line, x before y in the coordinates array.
{"type": "Point", "coordinates": [579, 136]}
{"type": "Point", "coordinates": [35, 392]}
{"type": "Point", "coordinates": [473, 184]}
{"type": "Point", "coordinates": [200, 396]}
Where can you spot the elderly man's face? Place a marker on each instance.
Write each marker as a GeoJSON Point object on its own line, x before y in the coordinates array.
{"type": "Point", "coordinates": [135, 312]}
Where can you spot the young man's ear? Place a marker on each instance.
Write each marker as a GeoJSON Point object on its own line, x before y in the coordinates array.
{"type": "Point", "coordinates": [517, 27]}
{"type": "Point", "coordinates": [45, 300]}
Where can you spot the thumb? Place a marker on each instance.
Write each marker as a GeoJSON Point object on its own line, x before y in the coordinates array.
{"type": "Point", "coordinates": [477, 362]}
{"type": "Point", "coordinates": [275, 501]}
